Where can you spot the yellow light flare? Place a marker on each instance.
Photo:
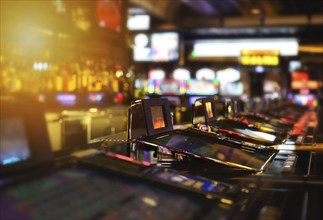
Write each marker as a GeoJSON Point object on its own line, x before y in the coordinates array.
{"type": "Point", "coordinates": [311, 49]}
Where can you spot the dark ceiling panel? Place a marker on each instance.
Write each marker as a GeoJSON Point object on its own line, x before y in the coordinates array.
{"type": "Point", "coordinates": [200, 13]}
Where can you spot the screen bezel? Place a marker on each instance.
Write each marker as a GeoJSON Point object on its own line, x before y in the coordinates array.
{"type": "Point", "coordinates": [33, 119]}
{"type": "Point", "coordinates": [164, 103]}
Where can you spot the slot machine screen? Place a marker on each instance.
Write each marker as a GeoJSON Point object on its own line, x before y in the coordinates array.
{"type": "Point", "coordinates": [157, 115]}
{"type": "Point", "coordinates": [209, 109]}
{"type": "Point", "coordinates": [14, 146]}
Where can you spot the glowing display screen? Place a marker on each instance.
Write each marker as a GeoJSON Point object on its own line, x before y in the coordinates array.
{"type": "Point", "coordinates": [214, 151]}
{"type": "Point", "coordinates": [157, 115]}
{"type": "Point", "coordinates": [14, 146]}
{"type": "Point", "coordinates": [209, 109]}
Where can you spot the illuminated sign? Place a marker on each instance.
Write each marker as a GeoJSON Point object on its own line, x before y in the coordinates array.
{"type": "Point", "coordinates": [259, 57]}
{"type": "Point", "coordinates": [301, 80]}
{"type": "Point", "coordinates": [233, 47]}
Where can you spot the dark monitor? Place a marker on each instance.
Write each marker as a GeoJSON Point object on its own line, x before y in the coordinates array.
{"type": "Point", "coordinates": [23, 136]}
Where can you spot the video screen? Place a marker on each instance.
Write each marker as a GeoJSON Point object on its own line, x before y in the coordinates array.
{"type": "Point", "coordinates": [14, 146]}
{"type": "Point", "coordinates": [157, 115]}
{"type": "Point", "coordinates": [156, 47]}
{"type": "Point", "coordinates": [137, 22]}
{"type": "Point", "coordinates": [209, 109]}
{"type": "Point", "coordinates": [214, 151]}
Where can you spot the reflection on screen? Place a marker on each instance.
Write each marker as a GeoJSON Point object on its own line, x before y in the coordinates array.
{"type": "Point", "coordinates": [196, 183]}
{"type": "Point", "coordinates": [209, 110]}
{"type": "Point", "coordinates": [13, 141]}
{"type": "Point", "coordinates": [230, 111]}
{"type": "Point", "coordinates": [257, 134]}
{"type": "Point", "coordinates": [157, 116]}
{"type": "Point", "coordinates": [214, 151]}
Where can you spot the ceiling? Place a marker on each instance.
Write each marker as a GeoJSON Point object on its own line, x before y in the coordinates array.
{"type": "Point", "coordinates": [197, 14]}
{"type": "Point", "coordinates": [200, 19]}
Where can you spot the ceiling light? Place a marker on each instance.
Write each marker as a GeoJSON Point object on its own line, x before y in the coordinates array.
{"type": "Point", "coordinates": [255, 11]}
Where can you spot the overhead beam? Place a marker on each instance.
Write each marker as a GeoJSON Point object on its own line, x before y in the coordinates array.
{"type": "Point", "coordinates": [189, 22]}
{"type": "Point", "coordinates": [157, 8]}
{"type": "Point", "coordinates": [202, 7]}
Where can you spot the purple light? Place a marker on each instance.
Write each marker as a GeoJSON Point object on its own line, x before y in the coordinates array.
{"type": "Point", "coordinates": [66, 99]}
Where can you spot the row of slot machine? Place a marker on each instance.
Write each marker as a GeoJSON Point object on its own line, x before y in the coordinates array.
{"type": "Point", "coordinates": [239, 166]}
{"type": "Point", "coordinates": [182, 90]}
{"type": "Point", "coordinates": [71, 100]}
{"type": "Point", "coordinates": [248, 161]}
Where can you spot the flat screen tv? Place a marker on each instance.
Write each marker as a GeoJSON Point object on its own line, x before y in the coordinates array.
{"type": "Point", "coordinates": [156, 47]}
{"type": "Point", "coordinates": [138, 22]}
